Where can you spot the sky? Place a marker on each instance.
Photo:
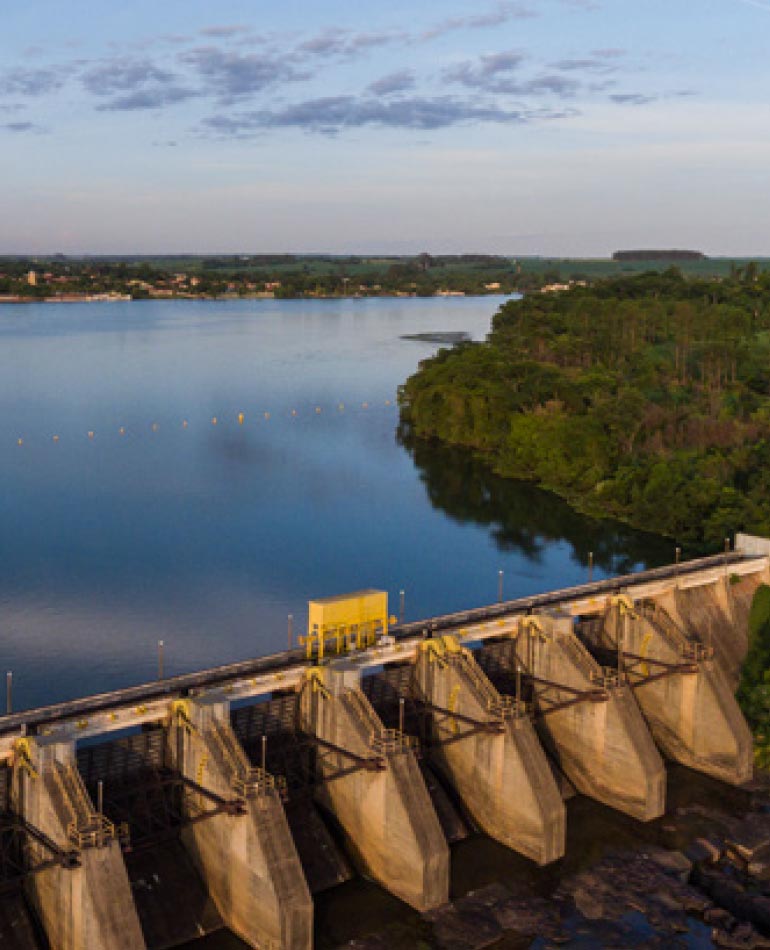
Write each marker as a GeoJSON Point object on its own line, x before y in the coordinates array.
{"type": "Point", "coordinates": [553, 127]}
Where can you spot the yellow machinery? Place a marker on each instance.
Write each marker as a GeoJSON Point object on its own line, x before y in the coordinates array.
{"type": "Point", "coordinates": [346, 622]}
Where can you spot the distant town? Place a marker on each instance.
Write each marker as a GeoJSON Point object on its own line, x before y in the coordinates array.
{"type": "Point", "coordinates": [60, 279]}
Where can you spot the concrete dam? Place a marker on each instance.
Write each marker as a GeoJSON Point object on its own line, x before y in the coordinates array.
{"type": "Point", "coordinates": [229, 797]}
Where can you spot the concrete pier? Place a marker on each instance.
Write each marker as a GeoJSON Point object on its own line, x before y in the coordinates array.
{"type": "Point", "coordinates": [716, 615]}
{"type": "Point", "coordinates": [683, 693]}
{"type": "Point", "coordinates": [84, 900]}
{"type": "Point", "coordinates": [373, 786]}
{"type": "Point", "coordinates": [486, 747]}
{"type": "Point", "coordinates": [590, 720]}
{"type": "Point", "coordinates": [246, 854]}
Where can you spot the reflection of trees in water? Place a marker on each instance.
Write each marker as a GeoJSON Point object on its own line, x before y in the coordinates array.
{"type": "Point", "coordinates": [523, 517]}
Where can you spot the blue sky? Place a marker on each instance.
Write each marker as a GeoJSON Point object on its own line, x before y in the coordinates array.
{"type": "Point", "coordinates": [514, 126]}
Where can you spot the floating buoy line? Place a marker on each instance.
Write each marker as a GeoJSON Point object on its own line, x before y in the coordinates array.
{"type": "Point", "coordinates": [240, 419]}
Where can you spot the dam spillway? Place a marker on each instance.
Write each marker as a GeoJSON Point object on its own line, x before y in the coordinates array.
{"type": "Point", "coordinates": [257, 785]}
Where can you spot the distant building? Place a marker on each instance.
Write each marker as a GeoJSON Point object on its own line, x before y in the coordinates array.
{"type": "Point", "coordinates": [32, 278]}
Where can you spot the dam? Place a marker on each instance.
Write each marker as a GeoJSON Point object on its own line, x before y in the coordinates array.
{"type": "Point", "coordinates": [259, 784]}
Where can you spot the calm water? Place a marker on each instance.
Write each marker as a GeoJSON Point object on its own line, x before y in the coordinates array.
{"type": "Point", "coordinates": [208, 536]}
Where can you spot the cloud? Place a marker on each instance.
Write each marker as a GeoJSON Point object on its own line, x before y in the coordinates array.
{"type": "Point", "coordinates": [231, 76]}
{"type": "Point", "coordinates": [332, 114]}
{"type": "Point", "coordinates": [32, 82]}
{"type": "Point", "coordinates": [123, 75]}
{"type": "Point", "coordinates": [224, 31]}
{"type": "Point", "coordinates": [502, 13]}
{"type": "Point", "coordinates": [494, 73]}
{"type": "Point", "coordinates": [612, 52]}
{"type": "Point", "coordinates": [644, 99]}
{"type": "Point", "coordinates": [633, 98]}
{"type": "Point", "coordinates": [20, 127]}
{"type": "Point", "coordinates": [485, 72]}
{"type": "Point", "coordinates": [134, 84]}
{"type": "Point", "coordinates": [142, 99]}
{"type": "Point", "coordinates": [401, 81]}
{"type": "Point", "coordinates": [587, 64]}
{"type": "Point", "coordinates": [343, 44]}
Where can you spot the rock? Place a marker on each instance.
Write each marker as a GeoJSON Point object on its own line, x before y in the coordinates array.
{"type": "Point", "coordinates": [752, 839]}
{"type": "Point", "coordinates": [488, 896]}
{"type": "Point", "coordinates": [588, 903]}
{"type": "Point", "coordinates": [695, 903]}
{"type": "Point", "coordinates": [759, 869]}
{"type": "Point", "coordinates": [535, 916]}
{"type": "Point", "coordinates": [718, 916]}
{"type": "Point", "coordinates": [702, 849]}
{"type": "Point", "coordinates": [673, 863]}
{"type": "Point", "coordinates": [465, 929]}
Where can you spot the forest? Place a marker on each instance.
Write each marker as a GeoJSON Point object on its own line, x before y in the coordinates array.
{"type": "Point", "coordinates": [644, 398]}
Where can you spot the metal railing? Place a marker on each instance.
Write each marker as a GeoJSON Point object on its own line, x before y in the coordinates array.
{"type": "Point", "coordinates": [86, 827]}
{"type": "Point", "coordinates": [608, 678]}
{"type": "Point", "coordinates": [660, 618]}
{"type": "Point", "coordinates": [388, 741]}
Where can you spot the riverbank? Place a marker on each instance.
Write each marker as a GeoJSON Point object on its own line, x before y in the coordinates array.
{"type": "Point", "coordinates": [267, 295]}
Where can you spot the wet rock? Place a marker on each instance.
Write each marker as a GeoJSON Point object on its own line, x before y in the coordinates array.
{"type": "Point", "coordinates": [742, 937]}
{"type": "Point", "coordinates": [673, 863]}
{"type": "Point", "coordinates": [465, 928]}
{"type": "Point", "coordinates": [588, 903]}
{"type": "Point", "coordinates": [759, 869]}
{"type": "Point", "coordinates": [733, 897]}
{"type": "Point", "coordinates": [719, 917]}
{"type": "Point", "coordinates": [752, 840]}
{"type": "Point", "coordinates": [532, 916]}
{"type": "Point", "coordinates": [704, 849]}
{"type": "Point", "coordinates": [486, 896]}
{"type": "Point", "coordinates": [696, 903]}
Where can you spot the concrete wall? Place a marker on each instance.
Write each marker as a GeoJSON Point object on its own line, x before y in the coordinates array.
{"type": "Point", "coordinates": [386, 813]}
{"type": "Point", "coordinates": [716, 614]}
{"type": "Point", "coordinates": [248, 861]}
{"type": "Point", "coordinates": [693, 716]}
{"type": "Point", "coordinates": [500, 772]}
{"type": "Point", "coordinates": [605, 747]}
{"type": "Point", "coordinates": [82, 908]}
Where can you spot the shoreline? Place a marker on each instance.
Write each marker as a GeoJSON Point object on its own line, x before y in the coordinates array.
{"type": "Point", "coordinates": [96, 298]}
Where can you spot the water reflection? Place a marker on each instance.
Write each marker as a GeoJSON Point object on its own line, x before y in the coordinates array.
{"type": "Point", "coordinates": [524, 518]}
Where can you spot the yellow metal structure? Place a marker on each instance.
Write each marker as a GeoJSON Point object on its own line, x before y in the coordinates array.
{"type": "Point", "coordinates": [347, 622]}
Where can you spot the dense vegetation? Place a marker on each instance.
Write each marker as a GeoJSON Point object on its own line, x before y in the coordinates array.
{"type": "Point", "coordinates": [754, 688]}
{"type": "Point", "coordinates": [283, 275]}
{"type": "Point", "coordinates": [645, 398]}
{"type": "Point", "coordinates": [290, 275]}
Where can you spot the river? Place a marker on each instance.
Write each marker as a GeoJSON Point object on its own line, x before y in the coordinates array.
{"type": "Point", "coordinates": [162, 525]}
{"type": "Point", "coordinates": [194, 472]}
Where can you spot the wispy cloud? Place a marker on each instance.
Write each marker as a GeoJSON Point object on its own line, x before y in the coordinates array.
{"type": "Point", "coordinates": [20, 127]}
{"type": "Point", "coordinates": [501, 13]}
{"type": "Point", "coordinates": [134, 84]}
{"type": "Point", "coordinates": [224, 31]}
{"type": "Point", "coordinates": [632, 98]}
{"type": "Point", "coordinates": [401, 81]}
{"type": "Point", "coordinates": [32, 82]}
{"type": "Point", "coordinates": [230, 76]}
{"type": "Point", "coordinates": [332, 114]}
{"type": "Point", "coordinates": [345, 44]}
{"type": "Point", "coordinates": [498, 73]}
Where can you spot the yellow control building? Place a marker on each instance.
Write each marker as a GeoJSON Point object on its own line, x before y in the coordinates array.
{"type": "Point", "coordinates": [346, 622]}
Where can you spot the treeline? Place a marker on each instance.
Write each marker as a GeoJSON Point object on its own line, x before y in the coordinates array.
{"type": "Point", "coordinates": [643, 398]}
